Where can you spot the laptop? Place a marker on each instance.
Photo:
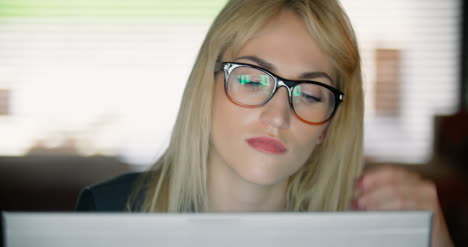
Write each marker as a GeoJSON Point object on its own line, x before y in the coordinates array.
{"type": "Point", "coordinates": [412, 228]}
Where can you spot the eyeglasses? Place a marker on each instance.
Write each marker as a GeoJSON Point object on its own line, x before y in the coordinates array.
{"type": "Point", "coordinates": [251, 86]}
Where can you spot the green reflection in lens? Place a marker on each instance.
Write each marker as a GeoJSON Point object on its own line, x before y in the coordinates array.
{"type": "Point", "coordinates": [264, 80]}
{"type": "Point", "coordinates": [296, 92]}
{"type": "Point", "coordinates": [243, 79]}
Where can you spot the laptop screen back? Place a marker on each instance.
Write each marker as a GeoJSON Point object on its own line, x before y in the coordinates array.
{"type": "Point", "coordinates": [259, 229]}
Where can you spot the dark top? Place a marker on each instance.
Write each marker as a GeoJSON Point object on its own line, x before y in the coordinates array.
{"type": "Point", "coordinates": [108, 196]}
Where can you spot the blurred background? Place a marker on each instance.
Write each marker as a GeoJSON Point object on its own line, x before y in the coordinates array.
{"type": "Point", "coordinates": [90, 89]}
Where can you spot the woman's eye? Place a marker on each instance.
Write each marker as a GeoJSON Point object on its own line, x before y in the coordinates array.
{"type": "Point", "coordinates": [254, 84]}
{"type": "Point", "coordinates": [311, 98]}
{"type": "Point", "coordinates": [246, 80]}
{"type": "Point", "coordinates": [307, 94]}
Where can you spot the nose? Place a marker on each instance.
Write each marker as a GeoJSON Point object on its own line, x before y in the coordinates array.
{"type": "Point", "coordinates": [276, 112]}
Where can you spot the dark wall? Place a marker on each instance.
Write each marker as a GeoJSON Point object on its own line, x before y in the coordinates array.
{"type": "Point", "coordinates": [464, 61]}
{"type": "Point", "coordinates": [51, 183]}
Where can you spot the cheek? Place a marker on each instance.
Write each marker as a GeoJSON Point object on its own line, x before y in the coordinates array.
{"type": "Point", "coordinates": [221, 110]}
{"type": "Point", "coordinates": [228, 118]}
{"type": "Point", "coordinates": [306, 139]}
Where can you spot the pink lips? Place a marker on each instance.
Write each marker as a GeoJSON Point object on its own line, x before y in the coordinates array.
{"type": "Point", "coordinates": [267, 145]}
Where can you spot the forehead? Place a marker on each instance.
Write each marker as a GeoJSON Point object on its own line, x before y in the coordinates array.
{"type": "Point", "coordinates": [286, 43]}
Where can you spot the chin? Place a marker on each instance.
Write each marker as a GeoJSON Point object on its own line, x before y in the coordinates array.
{"type": "Point", "coordinates": [263, 176]}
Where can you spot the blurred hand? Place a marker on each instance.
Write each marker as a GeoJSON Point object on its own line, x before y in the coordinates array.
{"type": "Point", "coordinates": [394, 188]}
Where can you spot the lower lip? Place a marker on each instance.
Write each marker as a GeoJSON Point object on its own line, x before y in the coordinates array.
{"type": "Point", "coordinates": [266, 146]}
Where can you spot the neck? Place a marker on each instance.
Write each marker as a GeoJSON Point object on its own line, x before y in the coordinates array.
{"type": "Point", "coordinates": [228, 192]}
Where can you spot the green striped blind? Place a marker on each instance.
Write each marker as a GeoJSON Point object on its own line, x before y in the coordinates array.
{"type": "Point", "coordinates": [110, 8]}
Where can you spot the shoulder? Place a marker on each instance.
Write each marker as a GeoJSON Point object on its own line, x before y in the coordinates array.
{"type": "Point", "coordinates": [110, 195]}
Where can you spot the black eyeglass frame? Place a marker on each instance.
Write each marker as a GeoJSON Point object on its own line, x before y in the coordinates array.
{"type": "Point", "coordinates": [228, 67]}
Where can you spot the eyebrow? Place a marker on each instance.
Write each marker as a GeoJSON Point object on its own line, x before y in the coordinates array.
{"type": "Point", "coordinates": [269, 66]}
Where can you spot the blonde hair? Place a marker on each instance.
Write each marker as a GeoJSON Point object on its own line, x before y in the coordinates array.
{"type": "Point", "coordinates": [177, 182]}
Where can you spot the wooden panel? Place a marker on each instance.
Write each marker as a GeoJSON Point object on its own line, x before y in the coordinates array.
{"type": "Point", "coordinates": [4, 102]}
{"type": "Point", "coordinates": [387, 85]}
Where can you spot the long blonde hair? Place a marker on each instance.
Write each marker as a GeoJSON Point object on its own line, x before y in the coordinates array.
{"type": "Point", "coordinates": [177, 182]}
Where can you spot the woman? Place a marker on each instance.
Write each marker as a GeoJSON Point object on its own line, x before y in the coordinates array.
{"type": "Point", "coordinates": [271, 120]}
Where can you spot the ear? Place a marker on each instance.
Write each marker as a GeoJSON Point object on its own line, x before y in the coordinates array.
{"type": "Point", "coordinates": [323, 135]}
